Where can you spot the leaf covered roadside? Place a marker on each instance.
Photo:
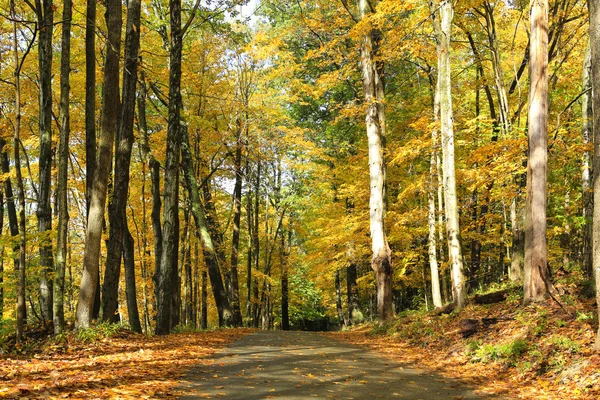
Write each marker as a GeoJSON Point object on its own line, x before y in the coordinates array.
{"type": "Point", "coordinates": [535, 352]}
{"type": "Point", "coordinates": [123, 366]}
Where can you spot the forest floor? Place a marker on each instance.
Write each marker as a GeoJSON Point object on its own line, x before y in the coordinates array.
{"type": "Point", "coordinates": [102, 365]}
{"type": "Point", "coordinates": [536, 352]}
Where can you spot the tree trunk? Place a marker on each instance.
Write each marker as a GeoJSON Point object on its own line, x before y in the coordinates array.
{"type": "Point", "coordinates": [130, 286]}
{"type": "Point", "coordinates": [442, 22]}
{"type": "Point", "coordinates": [110, 113]}
{"type": "Point", "coordinates": [171, 200]}
{"type": "Point", "coordinates": [90, 122]}
{"type": "Point", "coordinates": [285, 315]}
{"type": "Point", "coordinates": [431, 210]}
{"type": "Point", "coordinates": [20, 261]}
{"type": "Point", "coordinates": [338, 298]}
{"type": "Point", "coordinates": [235, 241]}
{"type": "Point", "coordinates": [249, 259]}
{"type": "Point", "coordinates": [204, 307]}
{"type": "Point", "coordinates": [63, 157]}
{"type": "Point", "coordinates": [374, 96]}
{"type": "Point", "coordinates": [208, 246]}
{"type": "Point", "coordinates": [352, 293]}
{"type": "Point", "coordinates": [536, 282]}
{"type": "Point", "coordinates": [45, 20]}
{"type": "Point", "coordinates": [587, 115]}
{"type": "Point", "coordinates": [154, 167]}
{"type": "Point", "coordinates": [124, 141]}
{"type": "Point", "coordinates": [594, 8]}
{"type": "Point", "coordinates": [256, 244]}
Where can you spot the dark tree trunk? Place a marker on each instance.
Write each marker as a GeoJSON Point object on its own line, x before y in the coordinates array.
{"type": "Point", "coordinates": [171, 201]}
{"type": "Point", "coordinates": [45, 20]}
{"type": "Point", "coordinates": [256, 245]}
{"type": "Point", "coordinates": [110, 115]}
{"type": "Point", "coordinates": [130, 287]}
{"type": "Point", "coordinates": [13, 223]}
{"type": "Point", "coordinates": [90, 122]}
{"type": "Point", "coordinates": [154, 167]}
{"type": "Point", "coordinates": [124, 142]}
{"type": "Point", "coordinates": [208, 245]}
{"type": "Point", "coordinates": [204, 308]}
{"type": "Point", "coordinates": [338, 299]}
{"type": "Point", "coordinates": [63, 154]}
{"type": "Point", "coordinates": [352, 292]}
{"type": "Point", "coordinates": [235, 241]}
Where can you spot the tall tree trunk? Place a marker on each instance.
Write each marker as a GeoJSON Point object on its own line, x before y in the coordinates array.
{"type": "Point", "coordinates": [587, 132]}
{"type": "Point", "coordinates": [235, 241]}
{"type": "Point", "coordinates": [124, 141]}
{"type": "Point", "coordinates": [13, 222]}
{"type": "Point", "coordinates": [431, 210]}
{"type": "Point", "coordinates": [154, 167]}
{"type": "Point", "coordinates": [285, 314]}
{"type": "Point", "coordinates": [171, 200]}
{"type": "Point", "coordinates": [204, 296]}
{"type": "Point", "coordinates": [374, 96]}
{"type": "Point", "coordinates": [536, 281]}
{"type": "Point", "coordinates": [45, 20]}
{"type": "Point", "coordinates": [63, 158]}
{"type": "Point", "coordinates": [20, 261]}
{"type": "Point", "coordinates": [110, 113]}
{"type": "Point", "coordinates": [442, 22]}
{"type": "Point", "coordinates": [594, 7]}
{"type": "Point", "coordinates": [338, 298]}
{"type": "Point", "coordinates": [256, 244]}
{"type": "Point", "coordinates": [249, 260]}
{"type": "Point", "coordinates": [90, 122]}
{"type": "Point", "coordinates": [130, 286]}
{"type": "Point", "coordinates": [208, 245]}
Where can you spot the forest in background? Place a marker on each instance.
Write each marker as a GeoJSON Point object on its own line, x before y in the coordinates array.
{"type": "Point", "coordinates": [172, 163]}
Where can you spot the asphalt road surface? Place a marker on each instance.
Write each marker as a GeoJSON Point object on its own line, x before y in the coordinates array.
{"type": "Point", "coordinates": [308, 365]}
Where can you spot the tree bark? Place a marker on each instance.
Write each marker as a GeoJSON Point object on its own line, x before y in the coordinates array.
{"type": "Point", "coordinates": [431, 210]}
{"type": "Point", "coordinates": [235, 241]}
{"type": "Point", "coordinates": [442, 22]}
{"type": "Point", "coordinates": [594, 10]}
{"type": "Point", "coordinates": [19, 264]}
{"type": "Point", "coordinates": [45, 21]}
{"type": "Point", "coordinates": [587, 132]}
{"type": "Point", "coordinates": [124, 141]}
{"type": "Point", "coordinates": [154, 167]}
{"type": "Point", "coordinates": [110, 113]}
{"type": "Point", "coordinates": [130, 286]}
{"type": "Point", "coordinates": [536, 272]}
{"type": "Point", "coordinates": [63, 158]}
{"type": "Point", "coordinates": [208, 246]}
{"type": "Point", "coordinates": [374, 96]}
{"type": "Point", "coordinates": [171, 200]}
{"type": "Point", "coordinates": [285, 314]}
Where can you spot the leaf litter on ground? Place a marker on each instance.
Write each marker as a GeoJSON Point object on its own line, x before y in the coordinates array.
{"type": "Point", "coordinates": [125, 366]}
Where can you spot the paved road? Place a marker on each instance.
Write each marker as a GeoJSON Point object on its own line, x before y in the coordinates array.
{"type": "Point", "coordinates": [307, 365]}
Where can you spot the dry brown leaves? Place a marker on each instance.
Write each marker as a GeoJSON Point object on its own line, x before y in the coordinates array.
{"type": "Point", "coordinates": [130, 366]}
{"type": "Point", "coordinates": [446, 352]}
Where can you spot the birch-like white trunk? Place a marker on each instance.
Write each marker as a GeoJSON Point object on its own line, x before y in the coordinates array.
{"type": "Point", "coordinates": [587, 115]}
{"type": "Point", "coordinates": [431, 210]}
{"type": "Point", "coordinates": [373, 88]}
{"type": "Point", "coordinates": [442, 23]}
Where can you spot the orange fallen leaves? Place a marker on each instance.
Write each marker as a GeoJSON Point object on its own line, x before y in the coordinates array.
{"type": "Point", "coordinates": [126, 367]}
{"type": "Point", "coordinates": [446, 354]}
